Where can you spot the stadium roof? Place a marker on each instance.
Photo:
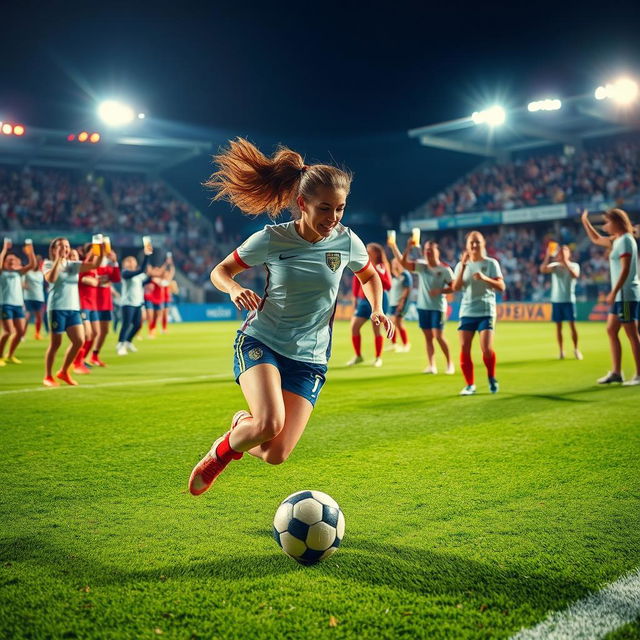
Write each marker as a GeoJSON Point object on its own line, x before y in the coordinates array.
{"type": "Point", "coordinates": [52, 148]}
{"type": "Point", "coordinates": [579, 119]}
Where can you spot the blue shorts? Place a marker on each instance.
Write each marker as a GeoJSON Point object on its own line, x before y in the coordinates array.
{"type": "Point", "coordinates": [60, 321]}
{"type": "Point", "coordinates": [153, 305]}
{"type": "Point", "coordinates": [12, 311]}
{"type": "Point", "coordinates": [480, 323]}
{"type": "Point", "coordinates": [431, 319]}
{"type": "Point", "coordinates": [104, 316]}
{"type": "Point", "coordinates": [393, 310]}
{"type": "Point", "coordinates": [89, 315]}
{"type": "Point", "coordinates": [302, 378]}
{"type": "Point", "coordinates": [363, 308]}
{"type": "Point", "coordinates": [33, 306]}
{"type": "Point", "coordinates": [627, 311]}
{"type": "Point", "coordinates": [563, 311]}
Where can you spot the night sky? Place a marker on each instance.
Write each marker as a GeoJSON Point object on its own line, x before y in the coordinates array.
{"type": "Point", "coordinates": [341, 81]}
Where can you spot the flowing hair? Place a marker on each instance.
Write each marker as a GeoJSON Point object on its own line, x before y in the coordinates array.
{"type": "Point", "coordinates": [380, 255]}
{"type": "Point", "coordinates": [621, 219]}
{"type": "Point", "coordinates": [259, 184]}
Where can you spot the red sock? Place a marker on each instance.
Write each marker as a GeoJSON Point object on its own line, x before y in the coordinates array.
{"type": "Point", "coordinates": [379, 341]}
{"type": "Point", "coordinates": [225, 453]}
{"type": "Point", "coordinates": [395, 337]}
{"type": "Point", "coordinates": [86, 348]}
{"type": "Point", "coordinates": [164, 322]}
{"type": "Point", "coordinates": [403, 335]}
{"type": "Point", "coordinates": [77, 362]}
{"type": "Point", "coordinates": [490, 363]}
{"type": "Point", "coordinates": [38, 324]}
{"type": "Point", "coordinates": [466, 364]}
{"type": "Point", "coordinates": [357, 344]}
{"type": "Point", "coordinates": [152, 324]}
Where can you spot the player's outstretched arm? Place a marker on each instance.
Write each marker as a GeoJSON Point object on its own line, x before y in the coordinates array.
{"type": "Point", "coordinates": [594, 236]}
{"type": "Point", "coordinates": [222, 278]}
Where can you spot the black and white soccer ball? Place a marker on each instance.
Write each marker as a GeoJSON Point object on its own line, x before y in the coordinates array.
{"type": "Point", "coordinates": [309, 526]}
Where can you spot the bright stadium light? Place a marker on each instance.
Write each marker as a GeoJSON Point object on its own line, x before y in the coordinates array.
{"type": "Point", "coordinates": [142, 116]}
{"type": "Point", "coordinates": [115, 113]}
{"type": "Point", "coordinates": [548, 104]}
{"type": "Point", "coordinates": [493, 116]}
{"type": "Point", "coordinates": [623, 91]}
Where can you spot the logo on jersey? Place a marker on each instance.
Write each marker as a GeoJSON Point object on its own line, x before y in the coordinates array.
{"type": "Point", "coordinates": [287, 257]}
{"type": "Point", "coordinates": [255, 353]}
{"type": "Point", "coordinates": [333, 259]}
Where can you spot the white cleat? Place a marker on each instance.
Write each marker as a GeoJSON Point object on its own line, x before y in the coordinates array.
{"type": "Point", "coordinates": [119, 346]}
{"type": "Point", "coordinates": [355, 360]}
{"type": "Point", "coordinates": [391, 347]}
{"type": "Point", "coordinates": [377, 362]}
{"type": "Point", "coordinates": [632, 382]}
{"type": "Point", "coordinates": [450, 369]}
{"type": "Point", "coordinates": [609, 378]}
{"type": "Point", "coordinates": [122, 350]}
{"type": "Point", "coordinates": [561, 355]}
{"type": "Point", "coordinates": [469, 390]}
{"type": "Point", "coordinates": [131, 348]}
{"type": "Point", "coordinates": [430, 369]}
{"type": "Point", "coordinates": [578, 354]}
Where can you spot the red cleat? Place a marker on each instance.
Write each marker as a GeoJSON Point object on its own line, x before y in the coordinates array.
{"type": "Point", "coordinates": [81, 369]}
{"type": "Point", "coordinates": [50, 382]}
{"type": "Point", "coordinates": [95, 360]}
{"type": "Point", "coordinates": [65, 377]}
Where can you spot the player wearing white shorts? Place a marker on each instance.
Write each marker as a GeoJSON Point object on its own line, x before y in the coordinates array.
{"type": "Point", "coordinates": [282, 348]}
{"type": "Point", "coordinates": [624, 296]}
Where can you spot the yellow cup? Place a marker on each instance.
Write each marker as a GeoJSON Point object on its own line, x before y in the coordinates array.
{"type": "Point", "coordinates": [146, 243]}
{"type": "Point", "coordinates": [553, 247]}
{"type": "Point", "coordinates": [107, 244]}
{"type": "Point", "coordinates": [415, 236]}
{"type": "Point", "coordinates": [96, 241]}
{"type": "Point", "coordinates": [391, 236]}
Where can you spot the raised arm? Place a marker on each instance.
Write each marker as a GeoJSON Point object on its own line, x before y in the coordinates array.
{"type": "Point", "coordinates": [6, 245]}
{"type": "Point", "coordinates": [544, 267]}
{"type": "Point", "coordinates": [91, 265]}
{"type": "Point", "coordinates": [594, 236]}
{"type": "Point", "coordinates": [32, 263]}
{"type": "Point", "coordinates": [403, 258]}
{"type": "Point", "coordinates": [52, 275]}
{"type": "Point", "coordinates": [222, 278]}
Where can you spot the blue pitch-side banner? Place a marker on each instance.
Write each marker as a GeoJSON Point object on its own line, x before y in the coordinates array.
{"type": "Point", "coordinates": [191, 312]}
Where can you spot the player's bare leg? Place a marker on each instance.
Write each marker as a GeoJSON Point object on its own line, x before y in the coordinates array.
{"type": "Point", "coordinates": [560, 340]}
{"type": "Point", "coordinates": [444, 345]}
{"type": "Point", "coordinates": [431, 352]}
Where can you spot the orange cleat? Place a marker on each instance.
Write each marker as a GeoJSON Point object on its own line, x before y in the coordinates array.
{"type": "Point", "coordinates": [65, 377]}
{"type": "Point", "coordinates": [81, 369]}
{"type": "Point", "coordinates": [50, 382]}
{"type": "Point", "coordinates": [95, 360]}
{"type": "Point", "coordinates": [38, 337]}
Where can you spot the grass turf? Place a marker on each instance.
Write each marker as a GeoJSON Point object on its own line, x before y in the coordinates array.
{"type": "Point", "coordinates": [466, 517]}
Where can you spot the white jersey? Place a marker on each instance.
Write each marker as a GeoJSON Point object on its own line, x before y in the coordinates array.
{"type": "Point", "coordinates": [478, 298]}
{"type": "Point", "coordinates": [625, 245]}
{"type": "Point", "coordinates": [563, 284]}
{"type": "Point", "coordinates": [295, 318]}
{"type": "Point", "coordinates": [34, 286]}
{"type": "Point", "coordinates": [64, 294]}
{"type": "Point", "coordinates": [398, 285]}
{"type": "Point", "coordinates": [11, 287]}
{"type": "Point", "coordinates": [438, 277]}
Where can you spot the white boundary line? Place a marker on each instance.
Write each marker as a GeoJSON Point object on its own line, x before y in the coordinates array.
{"type": "Point", "coordinates": [594, 616]}
{"type": "Point", "coordinates": [122, 383]}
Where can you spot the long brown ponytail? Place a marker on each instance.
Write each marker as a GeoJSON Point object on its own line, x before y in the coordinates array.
{"type": "Point", "coordinates": [257, 184]}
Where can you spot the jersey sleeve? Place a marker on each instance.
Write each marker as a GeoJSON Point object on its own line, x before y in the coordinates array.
{"type": "Point", "coordinates": [407, 281]}
{"type": "Point", "coordinates": [358, 256]}
{"type": "Point", "coordinates": [253, 250]}
{"type": "Point", "coordinates": [626, 248]}
{"type": "Point", "coordinates": [457, 270]}
{"type": "Point", "coordinates": [576, 267]}
{"type": "Point", "coordinates": [495, 271]}
{"type": "Point", "coordinates": [448, 275]}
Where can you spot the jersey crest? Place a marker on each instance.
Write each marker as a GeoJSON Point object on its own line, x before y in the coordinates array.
{"type": "Point", "coordinates": [333, 259]}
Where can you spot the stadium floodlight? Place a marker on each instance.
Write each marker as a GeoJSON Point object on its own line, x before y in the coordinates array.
{"type": "Point", "coordinates": [493, 116]}
{"type": "Point", "coordinates": [623, 91]}
{"type": "Point", "coordinates": [18, 130]}
{"type": "Point", "coordinates": [548, 104]}
{"type": "Point", "coordinates": [7, 129]}
{"type": "Point", "coordinates": [94, 137]}
{"type": "Point", "coordinates": [115, 113]}
{"type": "Point", "coordinates": [142, 116]}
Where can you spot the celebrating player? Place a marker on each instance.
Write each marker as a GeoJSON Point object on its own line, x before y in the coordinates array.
{"type": "Point", "coordinates": [108, 273]}
{"type": "Point", "coordinates": [435, 278]}
{"type": "Point", "coordinates": [401, 285]}
{"type": "Point", "coordinates": [282, 348]}
{"type": "Point", "coordinates": [88, 290]}
{"type": "Point", "coordinates": [478, 277]}
{"type": "Point", "coordinates": [13, 323]}
{"type": "Point", "coordinates": [363, 312]}
{"type": "Point", "coordinates": [33, 285]}
{"type": "Point", "coordinates": [564, 274]}
{"type": "Point", "coordinates": [63, 307]}
{"type": "Point", "coordinates": [624, 296]}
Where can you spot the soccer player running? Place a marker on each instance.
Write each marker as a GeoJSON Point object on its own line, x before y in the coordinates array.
{"type": "Point", "coordinates": [435, 278]}
{"type": "Point", "coordinates": [13, 322]}
{"type": "Point", "coordinates": [363, 310]}
{"type": "Point", "coordinates": [401, 286]}
{"type": "Point", "coordinates": [134, 279]}
{"type": "Point", "coordinates": [624, 296]}
{"type": "Point", "coordinates": [478, 277]}
{"type": "Point", "coordinates": [62, 272]}
{"type": "Point", "coordinates": [33, 285]}
{"type": "Point", "coordinates": [564, 274]}
{"type": "Point", "coordinates": [282, 348]}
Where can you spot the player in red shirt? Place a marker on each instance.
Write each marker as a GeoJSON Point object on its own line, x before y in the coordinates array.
{"type": "Point", "coordinates": [88, 289]}
{"type": "Point", "coordinates": [166, 290]}
{"type": "Point", "coordinates": [156, 300]}
{"type": "Point", "coordinates": [362, 311]}
{"type": "Point", "coordinates": [108, 274]}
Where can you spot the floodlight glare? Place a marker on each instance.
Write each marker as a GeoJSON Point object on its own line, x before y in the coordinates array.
{"type": "Point", "coordinates": [548, 104]}
{"type": "Point", "coordinates": [18, 130]}
{"type": "Point", "coordinates": [493, 116]}
{"type": "Point", "coordinates": [115, 113]}
{"type": "Point", "coordinates": [7, 129]}
{"type": "Point", "coordinates": [623, 91]}
{"type": "Point", "coordinates": [141, 116]}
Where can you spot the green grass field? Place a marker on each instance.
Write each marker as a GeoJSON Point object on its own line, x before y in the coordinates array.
{"type": "Point", "coordinates": [466, 517]}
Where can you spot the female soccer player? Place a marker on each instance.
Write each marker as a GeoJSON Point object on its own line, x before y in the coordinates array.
{"type": "Point", "coordinates": [63, 305]}
{"type": "Point", "coordinates": [88, 290]}
{"type": "Point", "coordinates": [34, 297]}
{"type": "Point", "coordinates": [13, 324]}
{"type": "Point", "coordinates": [108, 274]}
{"type": "Point", "coordinates": [401, 285]}
{"type": "Point", "coordinates": [363, 311]}
{"type": "Point", "coordinates": [478, 277]}
{"type": "Point", "coordinates": [435, 279]}
{"type": "Point", "coordinates": [282, 348]}
{"type": "Point", "coordinates": [167, 279]}
{"type": "Point", "coordinates": [624, 296]}
{"type": "Point", "coordinates": [564, 275]}
{"type": "Point", "coordinates": [133, 280]}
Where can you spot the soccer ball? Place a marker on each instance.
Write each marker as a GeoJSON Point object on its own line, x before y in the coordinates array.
{"type": "Point", "coordinates": [309, 526]}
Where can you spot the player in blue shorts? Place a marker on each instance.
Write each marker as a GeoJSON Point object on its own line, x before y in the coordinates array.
{"type": "Point", "coordinates": [624, 296]}
{"type": "Point", "coordinates": [399, 299]}
{"type": "Point", "coordinates": [564, 274]}
{"type": "Point", "coordinates": [12, 309]}
{"type": "Point", "coordinates": [33, 283]}
{"type": "Point", "coordinates": [478, 277]}
{"type": "Point", "coordinates": [282, 347]}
